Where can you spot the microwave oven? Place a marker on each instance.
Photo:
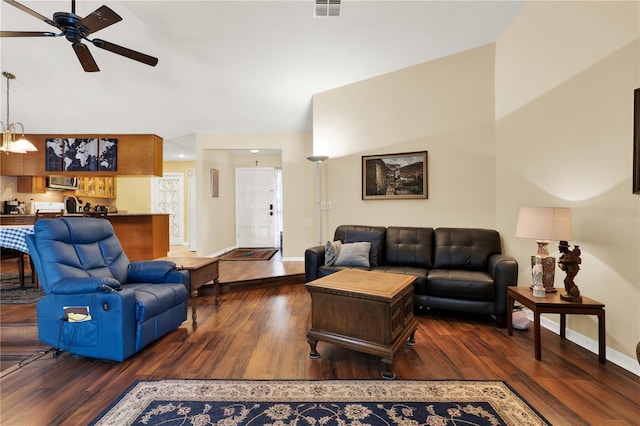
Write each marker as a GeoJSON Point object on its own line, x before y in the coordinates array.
{"type": "Point", "coordinates": [62, 183]}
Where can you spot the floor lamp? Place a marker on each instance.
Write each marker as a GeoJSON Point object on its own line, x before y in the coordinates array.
{"type": "Point", "coordinates": [318, 159]}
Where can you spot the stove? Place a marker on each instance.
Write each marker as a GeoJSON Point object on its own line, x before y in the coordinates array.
{"type": "Point", "coordinates": [46, 206]}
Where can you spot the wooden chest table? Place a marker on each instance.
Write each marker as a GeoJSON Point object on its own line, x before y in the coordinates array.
{"type": "Point", "coordinates": [202, 270]}
{"type": "Point", "coordinates": [370, 312]}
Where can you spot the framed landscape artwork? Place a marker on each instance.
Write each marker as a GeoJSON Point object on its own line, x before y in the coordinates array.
{"type": "Point", "coordinates": [394, 176]}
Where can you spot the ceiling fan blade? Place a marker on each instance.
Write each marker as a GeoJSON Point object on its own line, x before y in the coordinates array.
{"type": "Point", "coordinates": [85, 57]}
{"type": "Point", "coordinates": [99, 19]}
{"type": "Point", "coordinates": [31, 12]}
{"type": "Point", "coordinates": [26, 34]}
{"type": "Point", "coordinates": [131, 54]}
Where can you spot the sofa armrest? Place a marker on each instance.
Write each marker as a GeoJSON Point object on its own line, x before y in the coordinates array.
{"type": "Point", "coordinates": [504, 271]}
{"type": "Point", "coordinates": [313, 259]}
{"type": "Point", "coordinates": [70, 286]}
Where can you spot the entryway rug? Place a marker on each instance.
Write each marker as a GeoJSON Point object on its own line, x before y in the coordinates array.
{"type": "Point", "coordinates": [250, 254]}
{"type": "Point", "coordinates": [324, 402]}
{"type": "Point", "coordinates": [12, 294]}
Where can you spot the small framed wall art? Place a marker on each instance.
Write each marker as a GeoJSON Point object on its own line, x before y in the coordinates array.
{"type": "Point", "coordinates": [215, 182]}
{"type": "Point", "coordinates": [394, 176]}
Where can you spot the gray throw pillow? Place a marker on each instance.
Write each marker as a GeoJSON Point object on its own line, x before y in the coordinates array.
{"type": "Point", "coordinates": [331, 251]}
{"type": "Point", "coordinates": [374, 237]}
{"type": "Point", "coordinates": [354, 254]}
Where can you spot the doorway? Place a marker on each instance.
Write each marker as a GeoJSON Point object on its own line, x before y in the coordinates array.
{"type": "Point", "coordinates": [257, 207]}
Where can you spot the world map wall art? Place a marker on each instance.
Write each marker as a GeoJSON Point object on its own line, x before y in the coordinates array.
{"type": "Point", "coordinates": [81, 154]}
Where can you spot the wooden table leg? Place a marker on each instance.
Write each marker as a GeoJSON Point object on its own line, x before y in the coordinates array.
{"type": "Point", "coordinates": [563, 326]}
{"type": "Point", "coordinates": [602, 342]}
{"type": "Point", "coordinates": [509, 314]}
{"type": "Point", "coordinates": [536, 334]}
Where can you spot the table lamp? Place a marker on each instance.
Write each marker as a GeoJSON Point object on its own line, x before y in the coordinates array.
{"type": "Point", "coordinates": [544, 224]}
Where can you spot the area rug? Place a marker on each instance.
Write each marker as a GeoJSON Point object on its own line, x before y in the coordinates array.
{"type": "Point", "coordinates": [12, 294]}
{"type": "Point", "coordinates": [250, 254]}
{"type": "Point", "coordinates": [326, 402]}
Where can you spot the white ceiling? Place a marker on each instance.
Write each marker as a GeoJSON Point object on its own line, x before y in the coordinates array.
{"type": "Point", "coordinates": [224, 66]}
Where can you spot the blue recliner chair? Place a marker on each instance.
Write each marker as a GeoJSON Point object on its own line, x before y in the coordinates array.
{"type": "Point", "coordinates": [97, 303]}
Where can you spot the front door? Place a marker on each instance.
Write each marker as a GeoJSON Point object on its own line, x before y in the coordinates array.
{"type": "Point", "coordinates": [256, 207]}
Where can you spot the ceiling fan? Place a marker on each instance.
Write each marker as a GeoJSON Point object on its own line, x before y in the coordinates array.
{"type": "Point", "coordinates": [75, 29]}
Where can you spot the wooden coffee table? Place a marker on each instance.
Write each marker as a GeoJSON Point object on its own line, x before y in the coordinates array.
{"type": "Point", "coordinates": [202, 270]}
{"type": "Point", "coordinates": [370, 312]}
{"type": "Point", "coordinates": [553, 304]}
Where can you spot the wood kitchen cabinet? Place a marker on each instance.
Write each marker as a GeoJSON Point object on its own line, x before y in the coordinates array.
{"type": "Point", "coordinates": [138, 155]}
{"type": "Point", "coordinates": [97, 187]}
{"type": "Point", "coordinates": [33, 184]}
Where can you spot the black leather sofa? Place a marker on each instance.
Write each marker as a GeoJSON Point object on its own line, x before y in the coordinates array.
{"type": "Point", "coordinates": [461, 269]}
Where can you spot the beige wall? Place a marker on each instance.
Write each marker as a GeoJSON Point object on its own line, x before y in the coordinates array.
{"type": "Point", "coordinates": [565, 75]}
{"type": "Point", "coordinates": [134, 194]}
{"type": "Point", "coordinates": [215, 217]}
{"type": "Point", "coordinates": [444, 107]}
{"type": "Point", "coordinates": [554, 129]}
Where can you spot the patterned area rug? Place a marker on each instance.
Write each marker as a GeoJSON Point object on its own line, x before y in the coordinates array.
{"type": "Point", "coordinates": [12, 294]}
{"type": "Point", "coordinates": [326, 402]}
{"type": "Point", "coordinates": [250, 254]}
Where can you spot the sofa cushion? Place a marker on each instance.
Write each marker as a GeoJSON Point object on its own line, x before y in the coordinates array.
{"type": "Point", "coordinates": [465, 248]}
{"type": "Point", "coordinates": [408, 246]}
{"type": "Point", "coordinates": [331, 251]}
{"type": "Point", "coordinates": [373, 237]}
{"type": "Point", "coordinates": [354, 254]}
{"type": "Point", "coordinates": [419, 285]}
{"type": "Point", "coordinates": [455, 284]}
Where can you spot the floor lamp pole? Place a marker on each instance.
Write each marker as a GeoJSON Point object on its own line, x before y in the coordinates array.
{"type": "Point", "coordinates": [318, 159]}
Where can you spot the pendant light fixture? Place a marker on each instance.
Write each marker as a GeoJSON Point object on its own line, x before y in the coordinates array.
{"type": "Point", "coordinates": [11, 143]}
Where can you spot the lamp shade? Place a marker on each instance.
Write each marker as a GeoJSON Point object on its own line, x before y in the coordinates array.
{"type": "Point", "coordinates": [544, 223]}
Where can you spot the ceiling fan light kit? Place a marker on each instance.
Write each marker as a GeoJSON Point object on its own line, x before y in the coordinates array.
{"type": "Point", "coordinates": [75, 29]}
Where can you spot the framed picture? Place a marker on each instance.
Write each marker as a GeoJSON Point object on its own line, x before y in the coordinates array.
{"type": "Point", "coordinates": [108, 155]}
{"type": "Point", "coordinates": [394, 176]}
{"type": "Point", "coordinates": [54, 154]}
{"type": "Point", "coordinates": [81, 155]}
{"type": "Point", "coordinates": [215, 182]}
{"type": "Point", "coordinates": [636, 142]}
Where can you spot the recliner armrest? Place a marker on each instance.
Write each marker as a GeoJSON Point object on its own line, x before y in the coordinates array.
{"type": "Point", "coordinates": [313, 259]}
{"type": "Point", "coordinates": [149, 271]}
{"type": "Point", "coordinates": [84, 285]}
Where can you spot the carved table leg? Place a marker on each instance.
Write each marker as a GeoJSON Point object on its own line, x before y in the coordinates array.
{"type": "Point", "coordinates": [312, 344]}
{"type": "Point", "coordinates": [412, 339]}
{"type": "Point", "coordinates": [388, 373]}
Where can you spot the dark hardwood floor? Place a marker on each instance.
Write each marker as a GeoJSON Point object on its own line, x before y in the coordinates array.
{"type": "Point", "coordinates": [258, 332]}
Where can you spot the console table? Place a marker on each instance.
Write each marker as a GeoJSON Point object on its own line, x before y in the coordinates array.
{"type": "Point", "coordinates": [553, 304]}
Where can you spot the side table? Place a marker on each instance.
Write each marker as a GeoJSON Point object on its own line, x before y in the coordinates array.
{"type": "Point", "coordinates": [202, 270]}
{"type": "Point", "coordinates": [553, 304]}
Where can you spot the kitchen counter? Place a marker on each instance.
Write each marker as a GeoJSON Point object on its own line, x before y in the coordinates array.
{"type": "Point", "coordinates": [144, 236]}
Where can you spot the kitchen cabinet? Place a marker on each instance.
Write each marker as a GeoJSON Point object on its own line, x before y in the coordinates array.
{"type": "Point", "coordinates": [33, 184]}
{"type": "Point", "coordinates": [138, 155]}
{"type": "Point", "coordinates": [97, 187]}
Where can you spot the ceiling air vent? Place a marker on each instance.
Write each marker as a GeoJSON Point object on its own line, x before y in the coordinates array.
{"type": "Point", "coordinates": [328, 8]}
